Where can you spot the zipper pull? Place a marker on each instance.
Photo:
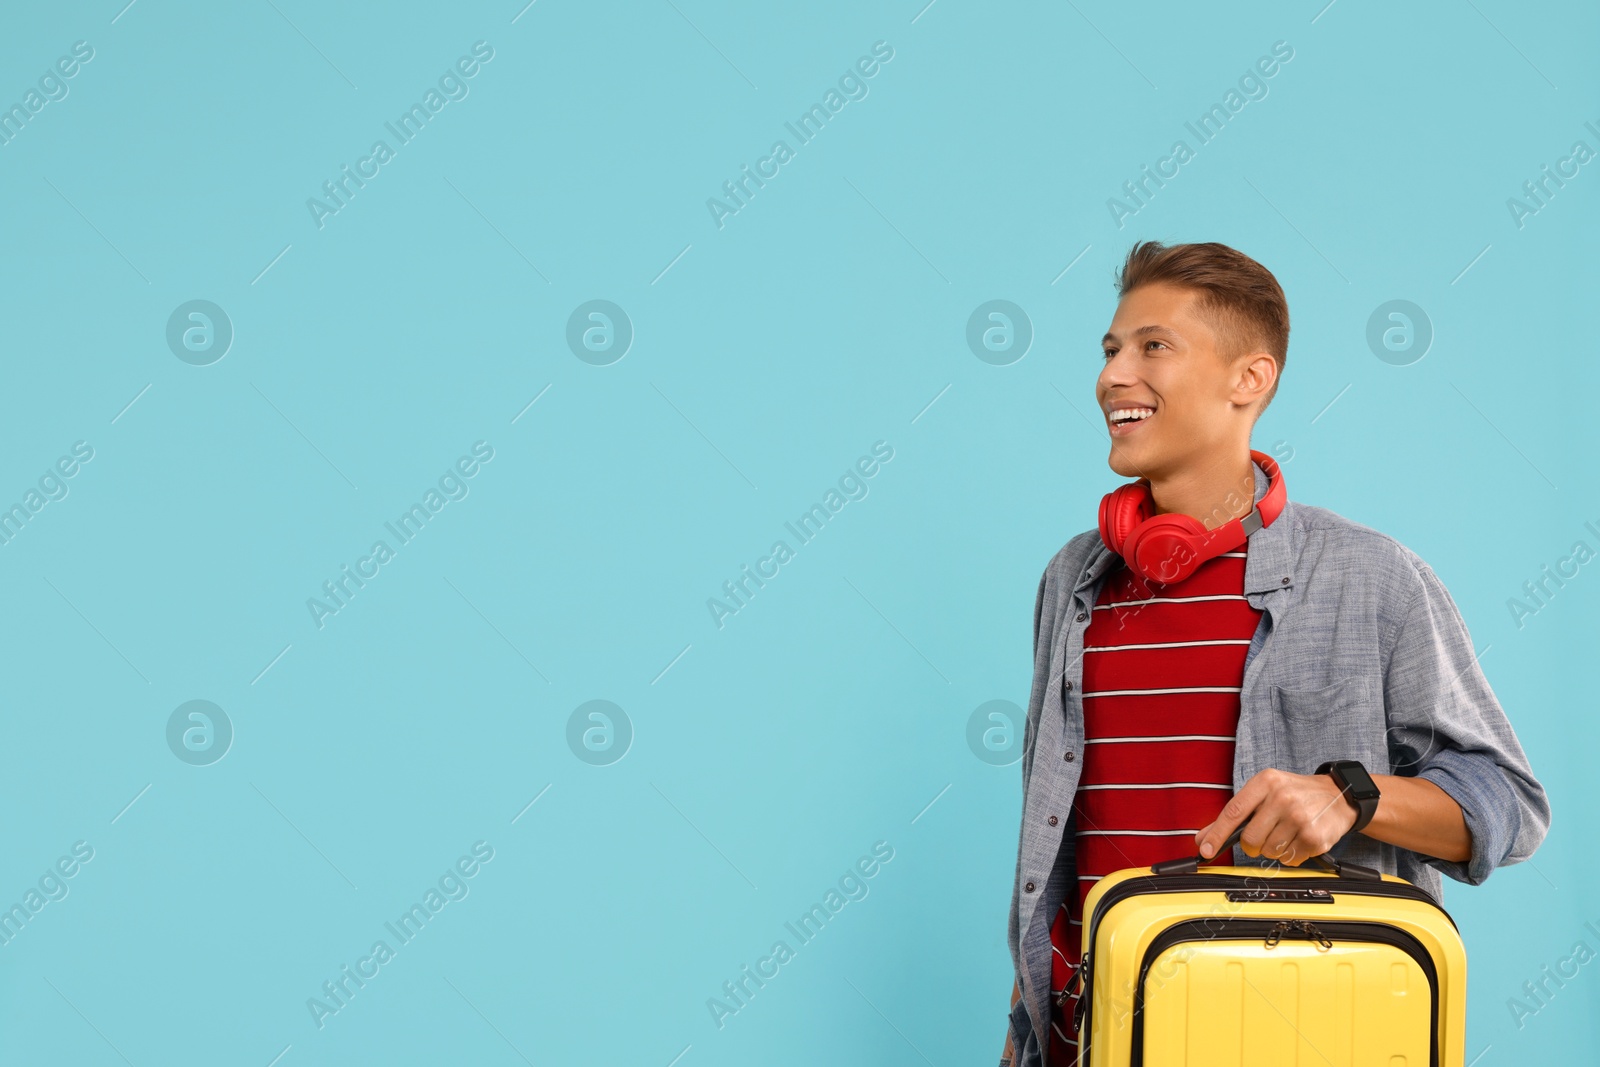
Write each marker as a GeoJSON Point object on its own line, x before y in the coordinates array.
{"type": "Point", "coordinates": [1084, 986]}
{"type": "Point", "coordinates": [1060, 996]}
{"type": "Point", "coordinates": [1302, 926]}
{"type": "Point", "coordinates": [1315, 934]}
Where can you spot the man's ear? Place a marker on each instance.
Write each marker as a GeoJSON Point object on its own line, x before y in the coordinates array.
{"type": "Point", "coordinates": [1257, 373]}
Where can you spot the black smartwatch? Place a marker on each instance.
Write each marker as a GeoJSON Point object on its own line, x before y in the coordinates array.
{"type": "Point", "coordinates": [1357, 786]}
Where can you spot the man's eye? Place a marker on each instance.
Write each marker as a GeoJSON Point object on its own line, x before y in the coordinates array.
{"type": "Point", "coordinates": [1109, 352]}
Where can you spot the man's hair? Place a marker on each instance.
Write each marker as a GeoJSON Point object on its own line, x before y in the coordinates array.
{"type": "Point", "coordinates": [1241, 299]}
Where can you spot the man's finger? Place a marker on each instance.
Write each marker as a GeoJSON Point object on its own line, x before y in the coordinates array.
{"type": "Point", "coordinates": [1273, 832]}
{"type": "Point", "coordinates": [1233, 815]}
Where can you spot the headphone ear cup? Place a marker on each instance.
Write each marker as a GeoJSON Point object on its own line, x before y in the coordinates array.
{"type": "Point", "coordinates": [1166, 548]}
{"type": "Point", "coordinates": [1121, 512]}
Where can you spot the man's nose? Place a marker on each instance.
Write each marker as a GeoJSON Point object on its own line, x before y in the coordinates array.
{"type": "Point", "coordinates": [1117, 371]}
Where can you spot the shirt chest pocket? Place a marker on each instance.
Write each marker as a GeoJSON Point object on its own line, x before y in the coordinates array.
{"type": "Point", "coordinates": [1344, 720]}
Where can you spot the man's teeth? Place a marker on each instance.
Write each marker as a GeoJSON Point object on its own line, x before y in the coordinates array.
{"type": "Point", "coordinates": [1132, 415]}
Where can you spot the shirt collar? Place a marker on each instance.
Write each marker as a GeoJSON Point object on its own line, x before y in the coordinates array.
{"type": "Point", "coordinates": [1268, 561]}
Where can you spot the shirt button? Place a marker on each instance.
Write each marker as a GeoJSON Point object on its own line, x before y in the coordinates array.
{"type": "Point", "coordinates": [1028, 887]}
{"type": "Point", "coordinates": [1052, 820]}
{"type": "Point", "coordinates": [1068, 757]}
{"type": "Point", "coordinates": [1082, 616]}
{"type": "Point", "coordinates": [1067, 685]}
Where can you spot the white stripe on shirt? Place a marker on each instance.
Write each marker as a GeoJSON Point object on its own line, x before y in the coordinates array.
{"type": "Point", "coordinates": [1168, 600]}
{"type": "Point", "coordinates": [1168, 644]}
{"type": "Point", "coordinates": [1163, 737]}
{"type": "Point", "coordinates": [1151, 692]}
{"type": "Point", "coordinates": [1159, 785]}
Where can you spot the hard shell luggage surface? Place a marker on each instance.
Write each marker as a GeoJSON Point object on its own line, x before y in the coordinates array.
{"type": "Point", "coordinates": [1227, 966]}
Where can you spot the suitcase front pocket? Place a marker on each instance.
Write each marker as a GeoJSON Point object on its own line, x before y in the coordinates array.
{"type": "Point", "coordinates": [1259, 992]}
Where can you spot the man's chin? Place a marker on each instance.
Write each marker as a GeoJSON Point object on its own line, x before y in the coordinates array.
{"type": "Point", "coordinates": [1122, 462]}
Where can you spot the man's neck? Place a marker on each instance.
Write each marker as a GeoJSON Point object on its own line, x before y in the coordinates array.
{"type": "Point", "coordinates": [1225, 490]}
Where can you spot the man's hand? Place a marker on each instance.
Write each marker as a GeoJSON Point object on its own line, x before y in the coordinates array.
{"type": "Point", "coordinates": [1292, 817]}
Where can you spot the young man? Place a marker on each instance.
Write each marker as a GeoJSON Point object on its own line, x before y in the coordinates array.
{"type": "Point", "coordinates": [1202, 685]}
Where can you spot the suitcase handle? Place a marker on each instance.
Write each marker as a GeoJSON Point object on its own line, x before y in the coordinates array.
{"type": "Point", "coordinates": [1326, 861]}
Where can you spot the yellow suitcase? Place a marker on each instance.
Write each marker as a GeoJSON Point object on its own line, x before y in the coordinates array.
{"type": "Point", "coordinates": [1228, 966]}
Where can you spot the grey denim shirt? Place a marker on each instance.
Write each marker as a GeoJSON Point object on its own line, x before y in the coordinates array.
{"type": "Point", "coordinates": [1360, 654]}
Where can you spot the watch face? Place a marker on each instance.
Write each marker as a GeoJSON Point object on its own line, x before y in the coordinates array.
{"type": "Point", "coordinates": [1361, 784]}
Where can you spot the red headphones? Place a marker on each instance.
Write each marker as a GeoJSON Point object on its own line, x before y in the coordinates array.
{"type": "Point", "coordinates": [1169, 548]}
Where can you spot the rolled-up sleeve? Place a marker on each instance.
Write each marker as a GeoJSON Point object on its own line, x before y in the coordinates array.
{"type": "Point", "coordinates": [1446, 725]}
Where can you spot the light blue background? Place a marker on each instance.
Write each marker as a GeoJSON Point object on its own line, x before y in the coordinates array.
{"type": "Point", "coordinates": [831, 712]}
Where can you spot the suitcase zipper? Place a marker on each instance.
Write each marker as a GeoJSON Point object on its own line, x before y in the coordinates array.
{"type": "Point", "coordinates": [1179, 883]}
{"type": "Point", "coordinates": [1273, 930]}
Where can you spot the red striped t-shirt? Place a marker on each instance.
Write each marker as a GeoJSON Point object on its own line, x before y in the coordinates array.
{"type": "Point", "coordinates": [1163, 666]}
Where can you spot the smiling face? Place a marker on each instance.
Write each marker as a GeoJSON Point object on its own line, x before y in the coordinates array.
{"type": "Point", "coordinates": [1162, 357]}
